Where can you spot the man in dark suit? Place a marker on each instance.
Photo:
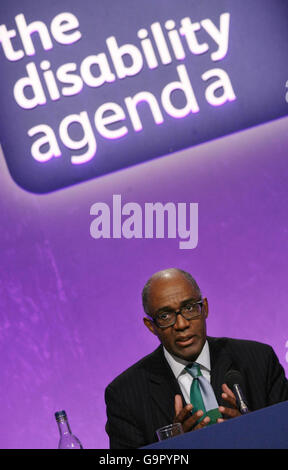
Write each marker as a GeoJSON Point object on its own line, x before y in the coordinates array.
{"type": "Point", "coordinates": [154, 392]}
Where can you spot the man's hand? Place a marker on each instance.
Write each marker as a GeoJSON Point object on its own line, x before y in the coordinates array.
{"type": "Point", "coordinates": [228, 396]}
{"type": "Point", "coordinates": [183, 416]}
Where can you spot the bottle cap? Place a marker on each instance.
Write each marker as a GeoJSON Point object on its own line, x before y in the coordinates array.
{"type": "Point", "coordinates": [60, 415]}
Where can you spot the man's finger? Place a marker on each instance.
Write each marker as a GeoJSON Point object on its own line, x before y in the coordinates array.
{"type": "Point", "coordinates": [227, 390]}
{"type": "Point", "coordinates": [231, 412]}
{"type": "Point", "coordinates": [183, 414]}
{"type": "Point", "coordinates": [190, 422]}
{"type": "Point", "coordinates": [203, 423]}
{"type": "Point", "coordinates": [229, 396]}
{"type": "Point", "coordinates": [178, 404]}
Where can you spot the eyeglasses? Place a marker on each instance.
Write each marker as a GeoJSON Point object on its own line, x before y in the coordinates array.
{"type": "Point", "coordinates": [189, 311]}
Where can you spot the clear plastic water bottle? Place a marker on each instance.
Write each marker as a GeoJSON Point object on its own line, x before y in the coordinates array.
{"type": "Point", "coordinates": [67, 439]}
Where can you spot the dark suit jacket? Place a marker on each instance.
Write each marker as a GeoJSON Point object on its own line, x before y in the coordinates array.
{"type": "Point", "coordinates": [141, 399]}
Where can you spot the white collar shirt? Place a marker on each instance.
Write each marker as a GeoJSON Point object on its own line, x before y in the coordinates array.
{"type": "Point", "coordinates": [182, 376]}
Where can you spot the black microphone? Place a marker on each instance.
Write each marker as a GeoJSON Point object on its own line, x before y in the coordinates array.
{"type": "Point", "coordinates": [234, 380]}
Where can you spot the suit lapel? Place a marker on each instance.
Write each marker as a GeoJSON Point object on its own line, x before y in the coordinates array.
{"type": "Point", "coordinates": [163, 384]}
{"type": "Point", "coordinates": [220, 364]}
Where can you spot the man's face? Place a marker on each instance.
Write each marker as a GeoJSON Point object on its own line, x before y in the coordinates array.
{"type": "Point", "coordinates": [186, 338]}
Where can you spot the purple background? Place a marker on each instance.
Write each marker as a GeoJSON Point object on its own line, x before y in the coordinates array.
{"type": "Point", "coordinates": [71, 314]}
{"type": "Point", "coordinates": [70, 305]}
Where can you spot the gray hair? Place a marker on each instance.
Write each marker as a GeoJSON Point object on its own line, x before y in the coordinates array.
{"type": "Point", "coordinates": [146, 288]}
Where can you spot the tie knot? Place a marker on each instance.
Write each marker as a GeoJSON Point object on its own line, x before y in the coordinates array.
{"type": "Point", "coordinates": [194, 369]}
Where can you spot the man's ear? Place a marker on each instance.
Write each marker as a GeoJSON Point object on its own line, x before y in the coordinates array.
{"type": "Point", "coordinates": [149, 325]}
{"type": "Point", "coordinates": [205, 307]}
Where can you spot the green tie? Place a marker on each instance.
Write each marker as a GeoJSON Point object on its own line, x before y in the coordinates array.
{"type": "Point", "coordinates": [196, 396]}
{"type": "Point", "coordinates": [195, 392]}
